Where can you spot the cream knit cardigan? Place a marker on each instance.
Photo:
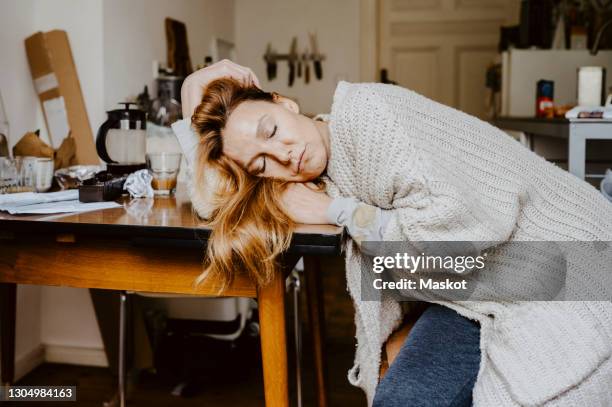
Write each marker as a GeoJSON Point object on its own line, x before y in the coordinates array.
{"type": "Point", "coordinates": [448, 176]}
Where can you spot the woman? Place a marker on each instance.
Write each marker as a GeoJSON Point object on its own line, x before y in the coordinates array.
{"type": "Point", "coordinates": [400, 167]}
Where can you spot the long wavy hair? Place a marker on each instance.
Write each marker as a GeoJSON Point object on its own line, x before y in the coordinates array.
{"type": "Point", "coordinates": [249, 227]}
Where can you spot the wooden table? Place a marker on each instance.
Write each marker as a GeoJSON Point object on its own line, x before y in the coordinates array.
{"type": "Point", "coordinates": [153, 246]}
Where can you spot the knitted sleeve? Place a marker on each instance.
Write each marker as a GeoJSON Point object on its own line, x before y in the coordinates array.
{"type": "Point", "coordinates": [363, 222]}
{"type": "Point", "coordinates": [429, 205]}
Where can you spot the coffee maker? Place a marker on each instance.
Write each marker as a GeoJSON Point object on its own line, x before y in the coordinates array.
{"type": "Point", "coordinates": [122, 140]}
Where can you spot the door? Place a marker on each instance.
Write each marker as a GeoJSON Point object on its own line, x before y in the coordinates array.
{"type": "Point", "coordinates": [442, 48]}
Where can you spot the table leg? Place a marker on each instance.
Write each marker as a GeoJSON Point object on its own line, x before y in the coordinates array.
{"type": "Point", "coordinates": [274, 342]}
{"type": "Point", "coordinates": [577, 153]}
{"type": "Point", "coordinates": [123, 326]}
{"type": "Point", "coordinates": [8, 310]}
{"type": "Point", "coordinates": [316, 316]}
{"type": "Point", "coordinates": [526, 139]}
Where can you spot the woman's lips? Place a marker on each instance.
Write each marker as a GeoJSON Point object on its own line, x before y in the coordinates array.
{"type": "Point", "coordinates": [299, 166]}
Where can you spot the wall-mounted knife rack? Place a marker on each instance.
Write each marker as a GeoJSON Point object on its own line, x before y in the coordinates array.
{"type": "Point", "coordinates": [297, 61]}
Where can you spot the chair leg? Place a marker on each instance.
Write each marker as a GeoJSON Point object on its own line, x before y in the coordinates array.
{"type": "Point", "coordinates": [123, 299]}
{"type": "Point", "coordinates": [316, 316]}
{"type": "Point", "coordinates": [8, 309]}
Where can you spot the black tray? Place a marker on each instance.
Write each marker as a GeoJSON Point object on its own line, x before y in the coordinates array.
{"type": "Point", "coordinates": [102, 187]}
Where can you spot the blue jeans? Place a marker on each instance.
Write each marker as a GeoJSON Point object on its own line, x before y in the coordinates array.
{"type": "Point", "coordinates": [437, 364]}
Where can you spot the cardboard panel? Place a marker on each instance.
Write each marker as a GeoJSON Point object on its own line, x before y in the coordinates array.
{"type": "Point", "coordinates": [57, 84]}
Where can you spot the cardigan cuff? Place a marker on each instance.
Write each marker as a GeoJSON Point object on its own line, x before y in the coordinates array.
{"type": "Point", "coordinates": [363, 222]}
{"type": "Point", "coordinates": [187, 138]}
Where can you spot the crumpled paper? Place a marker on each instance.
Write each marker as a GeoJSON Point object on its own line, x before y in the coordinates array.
{"type": "Point", "coordinates": [606, 185]}
{"type": "Point", "coordinates": [138, 184]}
{"type": "Point", "coordinates": [73, 176]}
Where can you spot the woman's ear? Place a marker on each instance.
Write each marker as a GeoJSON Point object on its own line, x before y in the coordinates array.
{"type": "Point", "coordinates": [286, 103]}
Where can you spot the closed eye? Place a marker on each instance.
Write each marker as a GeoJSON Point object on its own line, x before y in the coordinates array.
{"type": "Point", "coordinates": [262, 169]}
{"type": "Point", "coordinates": [273, 132]}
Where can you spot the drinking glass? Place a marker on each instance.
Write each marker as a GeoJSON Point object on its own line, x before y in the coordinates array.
{"type": "Point", "coordinates": [164, 168]}
{"type": "Point", "coordinates": [8, 175]}
{"type": "Point", "coordinates": [26, 172]}
{"type": "Point", "coordinates": [43, 173]}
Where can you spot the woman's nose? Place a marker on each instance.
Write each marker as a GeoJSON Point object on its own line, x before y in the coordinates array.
{"type": "Point", "coordinates": [282, 153]}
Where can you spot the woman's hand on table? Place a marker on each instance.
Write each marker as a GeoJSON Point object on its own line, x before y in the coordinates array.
{"type": "Point", "coordinates": [305, 203]}
{"type": "Point", "coordinates": [194, 85]}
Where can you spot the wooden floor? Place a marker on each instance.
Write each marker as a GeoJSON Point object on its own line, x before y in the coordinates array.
{"type": "Point", "coordinates": [227, 388]}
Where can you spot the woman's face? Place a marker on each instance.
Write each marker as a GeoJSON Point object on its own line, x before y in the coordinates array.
{"type": "Point", "coordinates": [274, 140]}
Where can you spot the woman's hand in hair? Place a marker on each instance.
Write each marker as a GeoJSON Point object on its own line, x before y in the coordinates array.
{"type": "Point", "coordinates": [194, 85]}
{"type": "Point", "coordinates": [306, 203]}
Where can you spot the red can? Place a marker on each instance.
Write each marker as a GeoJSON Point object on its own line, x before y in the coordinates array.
{"type": "Point", "coordinates": [545, 98]}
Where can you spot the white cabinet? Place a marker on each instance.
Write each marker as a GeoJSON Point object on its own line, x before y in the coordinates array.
{"type": "Point", "coordinates": [522, 69]}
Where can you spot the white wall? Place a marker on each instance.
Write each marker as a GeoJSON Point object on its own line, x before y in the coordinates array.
{"type": "Point", "coordinates": [20, 19]}
{"type": "Point", "coordinates": [336, 23]}
{"type": "Point", "coordinates": [15, 84]}
{"type": "Point", "coordinates": [134, 36]}
{"type": "Point", "coordinates": [113, 43]}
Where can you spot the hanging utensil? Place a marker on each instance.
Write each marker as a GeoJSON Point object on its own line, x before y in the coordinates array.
{"type": "Point", "coordinates": [292, 60]}
{"type": "Point", "coordinates": [270, 58]}
{"type": "Point", "coordinates": [306, 68]}
{"type": "Point", "coordinates": [316, 56]}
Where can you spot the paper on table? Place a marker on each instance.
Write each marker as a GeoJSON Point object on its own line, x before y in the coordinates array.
{"type": "Point", "coordinates": [590, 112]}
{"type": "Point", "coordinates": [61, 207]}
{"type": "Point", "coordinates": [30, 198]}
